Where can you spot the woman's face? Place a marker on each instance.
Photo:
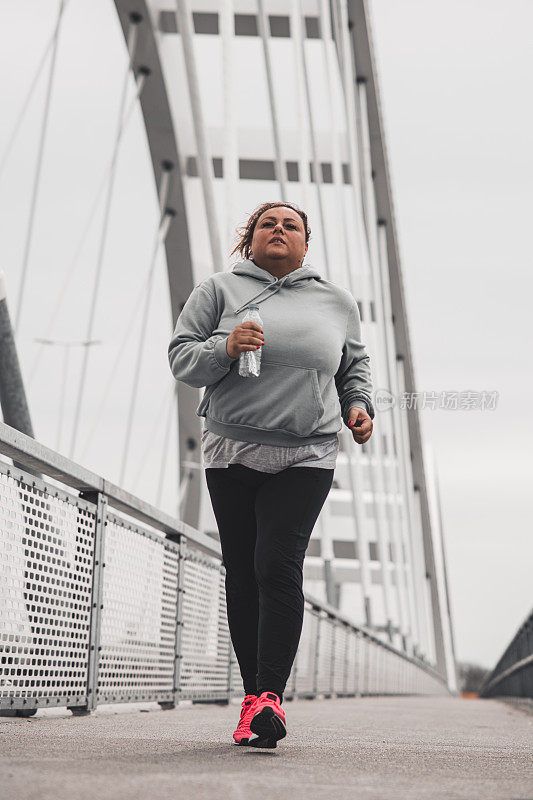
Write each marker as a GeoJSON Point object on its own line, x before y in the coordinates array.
{"type": "Point", "coordinates": [279, 236]}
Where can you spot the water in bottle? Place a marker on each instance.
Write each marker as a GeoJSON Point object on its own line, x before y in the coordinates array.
{"type": "Point", "coordinates": [250, 360]}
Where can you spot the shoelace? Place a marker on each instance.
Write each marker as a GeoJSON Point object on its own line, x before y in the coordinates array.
{"type": "Point", "coordinates": [270, 699]}
{"type": "Point", "coordinates": [246, 711]}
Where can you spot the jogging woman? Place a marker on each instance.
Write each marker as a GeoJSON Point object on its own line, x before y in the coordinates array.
{"type": "Point", "coordinates": [270, 443]}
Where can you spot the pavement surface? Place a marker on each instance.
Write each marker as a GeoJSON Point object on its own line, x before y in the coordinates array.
{"type": "Point", "coordinates": [369, 747]}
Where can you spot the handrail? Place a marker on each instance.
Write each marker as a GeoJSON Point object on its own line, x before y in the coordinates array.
{"type": "Point", "coordinates": [187, 585]}
{"type": "Point", "coordinates": [34, 455]}
{"type": "Point", "coordinates": [28, 451]}
{"type": "Point", "coordinates": [513, 673]}
{"type": "Point", "coordinates": [369, 634]}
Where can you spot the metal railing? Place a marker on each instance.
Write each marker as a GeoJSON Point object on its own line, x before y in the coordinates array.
{"type": "Point", "coordinates": [105, 599]}
{"type": "Point", "coordinates": [513, 674]}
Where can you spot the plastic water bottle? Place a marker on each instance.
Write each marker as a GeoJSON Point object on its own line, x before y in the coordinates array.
{"type": "Point", "coordinates": [250, 360]}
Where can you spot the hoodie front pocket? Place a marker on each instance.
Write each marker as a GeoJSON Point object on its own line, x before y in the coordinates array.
{"type": "Point", "coordinates": [283, 397]}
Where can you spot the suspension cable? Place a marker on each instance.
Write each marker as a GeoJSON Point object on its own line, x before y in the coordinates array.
{"type": "Point", "coordinates": [143, 290]}
{"type": "Point", "coordinates": [114, 369]}
{"type": "Point", "coordinates": [332, 28]}
{"type": "Point", "coordinates": [365, 239]}
{"type": "Point", "coordinates": [160, 237]}
{"type": "Point", "coordinates": [163, 412]}
{"type": "Point", "coordinates": [166, 445]}
{"type": "Point", "coordinates": [337, 168]}
{"type": "Point", "coordinates": [71, 266]}
{"type": "Point", "coordinates": [279, 163]}
{"type": "Point", "coordinates": [313, 139]}
{"type": "Point", "coordinates": [205, 163]}
{"type": "Point", "coordinates": [231, 147]}
{"type": "Point", "coordinates": [161, 234]}
{"type": "Point", "coordinates": [303, 149]}
{"type": "Point", "coordinates": [132, 43]}
{"type": "Point", "coordinates": [38, 169]}
{"type": "Point", "coordinates": [25, 104]}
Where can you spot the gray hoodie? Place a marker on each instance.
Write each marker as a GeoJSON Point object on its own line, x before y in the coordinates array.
{"type": "Point", "coordinates": [314, 366]}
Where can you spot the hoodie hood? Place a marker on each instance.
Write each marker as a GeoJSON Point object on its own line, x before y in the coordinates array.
{"type": "Point", "coordinates": [272, 284]}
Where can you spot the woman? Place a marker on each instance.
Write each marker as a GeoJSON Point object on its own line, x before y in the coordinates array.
{"type": "Point", "coordinates": [270, 443]}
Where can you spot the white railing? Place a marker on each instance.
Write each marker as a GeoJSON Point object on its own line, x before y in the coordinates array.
{"type": "Point", "coordinates": [105, 599]}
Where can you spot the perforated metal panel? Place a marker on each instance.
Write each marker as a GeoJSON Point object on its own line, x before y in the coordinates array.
{"type": "Point", "coordinates": [364, 664]}
{"type": "Point", "coordinates": [46, 558]}
{"type": "Point", "coordinates": [339, 663]}
{"type": "Point", "coordinates": [236, 680]}
{"type": "Point", "coordinates": [351, 662]}
{"type": "Point", "coordinates": [138, 619]}
{"type": "Point", "coordinates": [369, 667]}
{"type": "Point", "coordinates": [301, 676]}
{"type": "Point", "coordinates": [381, 676]}
{"type": "Point", "coordinates": [372, 667]}
{"type": "Point", "coordinates": [381, 670]}
{"type": "Point", "coordinates": [92, 599]}
{"type": "Point", "coordinates": [389, 672]}
{"type": "Point", "coordinates": [397, 683]}
{"type": "Point", "coordinates": [290, 690]}
{"type": "Point", "coordinates": [376, 669]}
{"type": "Point", "coordinates": [305, 657]}
{"type": "Point", "coordinates": [325, 654]}
{"type": "Point", "coordinates": [397, 674]}
{"type": "Point", "coordinates": [403, 672]}
{"type": "Point", "coordinates": [205, 640]}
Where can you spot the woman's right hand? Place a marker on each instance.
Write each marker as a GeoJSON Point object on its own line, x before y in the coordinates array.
{"type": "Point", "coordinates": [246, 336]}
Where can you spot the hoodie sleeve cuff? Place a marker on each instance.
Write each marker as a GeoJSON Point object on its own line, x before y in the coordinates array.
{"type": "Point", "coordinates": [360, 403]}
{"type": "Point", "coordinates": [221, 354]}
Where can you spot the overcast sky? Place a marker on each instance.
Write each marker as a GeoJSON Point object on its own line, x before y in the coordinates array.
{"type": "Point", "coordinates": [455, 80]}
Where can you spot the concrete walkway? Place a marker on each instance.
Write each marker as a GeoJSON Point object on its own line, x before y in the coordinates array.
{"type": "Point", "coordinates": [371, 747]}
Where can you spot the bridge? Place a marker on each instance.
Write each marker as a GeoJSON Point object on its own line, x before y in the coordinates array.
{"type": "Point", "coordinates": [369, 747]}
{"type": "Point", "coordinates": [111, 608]}
{"type": "Point", "coordinates": [117, 673]}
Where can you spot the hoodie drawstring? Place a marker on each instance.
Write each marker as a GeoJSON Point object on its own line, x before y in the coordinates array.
{"type": "Point", "coordinates": [276, 287]}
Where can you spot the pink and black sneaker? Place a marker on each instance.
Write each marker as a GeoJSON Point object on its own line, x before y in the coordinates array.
{"type": "Point", "coordinates": [268, 719]}
{"type": "Point", "coordinates": [242, 733]}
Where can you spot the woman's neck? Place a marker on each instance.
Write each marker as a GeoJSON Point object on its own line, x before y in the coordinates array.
{"type": "Point", "coordinates": [277, 270]}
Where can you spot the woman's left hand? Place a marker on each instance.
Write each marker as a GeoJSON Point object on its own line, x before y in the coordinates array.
{"type": "Point", "coordinates": [361, 425]}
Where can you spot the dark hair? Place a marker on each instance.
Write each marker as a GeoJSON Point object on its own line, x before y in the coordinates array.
{"type": "Point", "coordinates": [246, 232]}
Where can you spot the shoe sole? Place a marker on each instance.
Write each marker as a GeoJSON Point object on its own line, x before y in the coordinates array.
{"type": "Point", "coordinates": [267, 725]}
{"type": "Point", "coordinates": [263, 743]}
{"type": "Point", "coordinates": [243, 741]}
{"type": "Point", "coordinates": [257, 742]}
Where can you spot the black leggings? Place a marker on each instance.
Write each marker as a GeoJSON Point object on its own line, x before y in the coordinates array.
{"type": "Point", "coordinates": [265, 522]}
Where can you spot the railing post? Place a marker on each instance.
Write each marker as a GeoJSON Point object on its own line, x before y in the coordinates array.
{"type": "Point", "coordinates": [358, 640]}
{"type": "Point", "coordinates": [332, 622]}
{"type": "Point", "coordinates": [295, 664]}
{"type": "Point", "coordinates": [178, 656]}
{"type": "Point", "coordinates": [348, 632]}
{"type": "Point", "coordinates": [230, 672]}
{"type": "Point", "coordinates": [317, 652]}
{"type": "Point", "coordinates": [368, 643]}
{"type": "Point", "coordinates": [294, 674]}
{"type": "Point", "coordinates": [100, 502]}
